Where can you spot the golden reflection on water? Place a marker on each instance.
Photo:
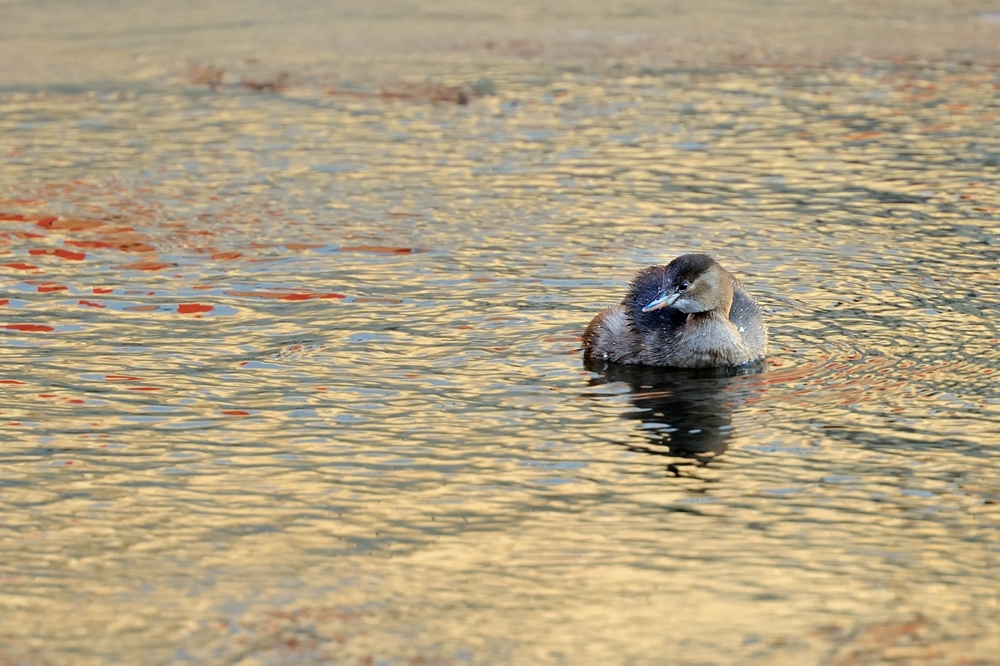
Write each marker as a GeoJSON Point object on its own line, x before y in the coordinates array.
{"type": "Point", "coordinates": [294, 378]}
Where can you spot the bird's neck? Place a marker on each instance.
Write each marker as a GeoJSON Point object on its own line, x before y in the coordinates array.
{"type": "Point", "coordinates": [723, 301]}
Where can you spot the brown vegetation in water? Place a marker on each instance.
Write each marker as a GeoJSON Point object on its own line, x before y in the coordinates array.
{"type": "Point", "coordinates": [214, 78]}
{"type": "Point", "coordinates": [425, 91]}
{"type": "Point", "coordinates": [280, 83]}
{"type": "Point", "coordinates": [418, 92]}
{"type": "Point", "coordinates": [205, 75]}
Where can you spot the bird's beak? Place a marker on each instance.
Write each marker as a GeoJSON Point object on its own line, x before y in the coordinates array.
{"type": "Point", "coordinates": [662, 300]}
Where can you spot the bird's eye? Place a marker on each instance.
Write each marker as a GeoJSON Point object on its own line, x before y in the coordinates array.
{"type": "Point", "coordinates": [683, 285]}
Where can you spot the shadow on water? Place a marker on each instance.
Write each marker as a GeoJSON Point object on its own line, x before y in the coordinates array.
{"type": "Point", "coordinates": [685, 413]}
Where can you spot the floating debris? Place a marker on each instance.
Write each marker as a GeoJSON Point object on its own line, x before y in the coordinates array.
{"type": "Point", "coordinates": [422, 92]}
{"type": "Point", "coordinates": [205, 75]}
{"type": "Point", "coordinates": [215, 78]}
{"type": "Point", "coordinates": [280, 83]}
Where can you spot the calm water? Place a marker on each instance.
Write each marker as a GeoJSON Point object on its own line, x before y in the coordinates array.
{"type": "Point", "coordinates": [295, 378]}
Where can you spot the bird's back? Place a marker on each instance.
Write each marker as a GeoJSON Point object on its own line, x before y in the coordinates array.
{"type": "Point", "coordinates": [746, 315]}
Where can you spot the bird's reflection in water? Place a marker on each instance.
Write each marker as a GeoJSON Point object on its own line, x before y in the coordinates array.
{"type": "Point", "coordinates": [686, 414]}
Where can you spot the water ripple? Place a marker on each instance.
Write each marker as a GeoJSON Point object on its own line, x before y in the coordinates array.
{"type": "Point", "coordinates": [297, 376]}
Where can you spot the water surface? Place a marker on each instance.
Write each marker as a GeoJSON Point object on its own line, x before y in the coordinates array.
{"type": "Point", "coordinates": [294, 377]}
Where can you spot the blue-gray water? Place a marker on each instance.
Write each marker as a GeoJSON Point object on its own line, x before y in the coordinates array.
{"type": "Point", "coordinates": [293, 376]}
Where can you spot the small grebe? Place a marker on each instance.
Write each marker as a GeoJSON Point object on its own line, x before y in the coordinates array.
{"type": "Point", "coordinates": [691, 313]}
